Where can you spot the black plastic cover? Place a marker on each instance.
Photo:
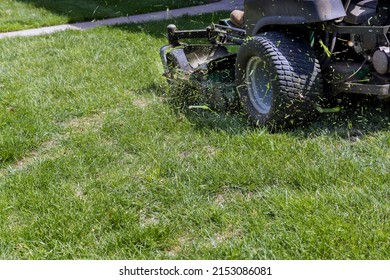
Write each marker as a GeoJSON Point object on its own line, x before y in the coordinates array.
{"type": "Point", "coordinates": [260, 13]}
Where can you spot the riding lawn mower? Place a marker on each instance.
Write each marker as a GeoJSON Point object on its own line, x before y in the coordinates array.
{"type": "Point", "coordinates": [289, 59]}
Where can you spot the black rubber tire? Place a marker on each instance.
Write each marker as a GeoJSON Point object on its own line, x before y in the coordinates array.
{"type": "Point", "coordinates": [292, 74]}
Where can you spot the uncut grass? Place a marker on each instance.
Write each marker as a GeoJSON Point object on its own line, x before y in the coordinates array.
{"type": "Point", "coordinates": [24, 14]}
{"type": "Point", "coordinates": [96, 165]}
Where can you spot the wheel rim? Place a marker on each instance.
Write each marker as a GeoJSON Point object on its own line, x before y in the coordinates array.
{"type": "Point", "coordinates": [259, 85]}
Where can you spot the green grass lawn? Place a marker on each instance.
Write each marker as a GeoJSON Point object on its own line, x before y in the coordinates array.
{"type": "Point", "coordinates": [24, 14]}
{"type": "Point", "coordinates": [96, 164]}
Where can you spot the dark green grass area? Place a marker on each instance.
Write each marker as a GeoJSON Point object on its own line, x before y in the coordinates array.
{"type": "Point", "coordinates": [24, 14]}
{"type": "Point", "coordinates": [96, 164]}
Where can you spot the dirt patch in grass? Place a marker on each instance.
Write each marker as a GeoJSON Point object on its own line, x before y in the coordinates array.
{"type": "Point", "coordinates": [94, 122]}
{"type": "Point", "coordinates": [178, 248]}
{"type": "Point", "coordinates": [45, 150]}
{"type": "Point", "coordinates": [42, 152]}
{"type": "Point", "coordinates": [141, 102]}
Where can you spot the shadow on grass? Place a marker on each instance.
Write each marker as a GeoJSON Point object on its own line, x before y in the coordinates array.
{"type": "Point", "coordinates": [231, 122]}
{"type": "Point", "coordinates": [85, 10]}
{"type": "Point", "coordinates": [199, 112]}
{"type": "Point", "coordinates": [359, 115]}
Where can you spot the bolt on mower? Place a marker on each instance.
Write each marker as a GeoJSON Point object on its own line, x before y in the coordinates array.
{"type": "Point", "coordinates": [288, 59]}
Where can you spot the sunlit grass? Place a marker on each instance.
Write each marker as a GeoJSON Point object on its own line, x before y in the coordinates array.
{"type": "Point", "coordinates": [96, 164]}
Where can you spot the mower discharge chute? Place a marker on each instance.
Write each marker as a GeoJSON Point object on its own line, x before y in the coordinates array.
{"type": "Point", "coordinates": [290, 57]}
